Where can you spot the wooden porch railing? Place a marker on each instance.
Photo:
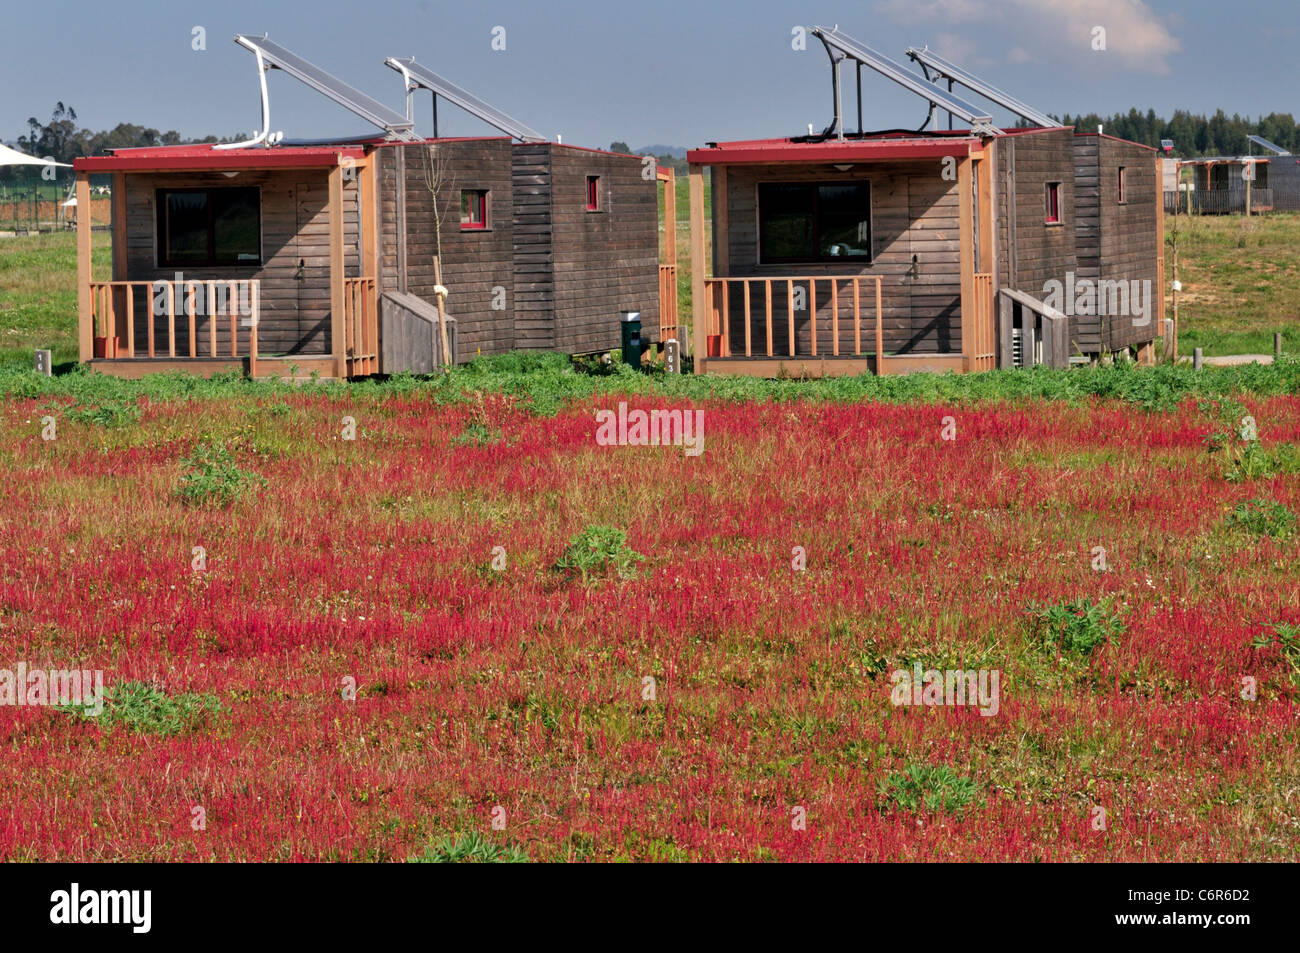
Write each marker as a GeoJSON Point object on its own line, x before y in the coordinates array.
{"type": "Point", "coordinates": [983, 345]}
{"type": "Point", "coordinates": [361, 326]}
{"type": "Point", "coordinates": [191, 300]}
{"type": "Point", "coordinates": [718, 310]}
{"type": "Point", "coordinates": [668, 327]}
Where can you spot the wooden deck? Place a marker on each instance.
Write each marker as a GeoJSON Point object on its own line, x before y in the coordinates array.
{"type": "Point", "coordinates": [800, 368]}
{"type": "Point", "coordinates": [285, 368]}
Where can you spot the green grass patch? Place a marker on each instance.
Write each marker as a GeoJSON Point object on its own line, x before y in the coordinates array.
{"type": "Point", "coordinates": [597, 551]}
{"type": "Point", "coordinates": [934, 788]}
{"type": "Point", "coordinates": [469, 848]}
{"type": "Point", "coordinates": [143, 708]}
{"type": "Point", "coordinates": [1262, 517]}
{"type": "Point", "coordinates": [213, 478]}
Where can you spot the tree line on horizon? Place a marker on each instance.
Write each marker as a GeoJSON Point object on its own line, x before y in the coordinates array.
{"type": "Point", "coordinates": [63, 140]}
{"type": "Point", "coordinates": [1194, 134]}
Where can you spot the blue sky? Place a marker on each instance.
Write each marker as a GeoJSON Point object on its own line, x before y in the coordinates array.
{"type": "Point", "coordinates": [657, 71]}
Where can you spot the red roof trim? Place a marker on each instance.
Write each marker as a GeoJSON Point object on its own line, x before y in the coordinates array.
{"type": "Point", "coordinates": [851, 150]}
{"type": "Point", "coordinates": [205, 158]}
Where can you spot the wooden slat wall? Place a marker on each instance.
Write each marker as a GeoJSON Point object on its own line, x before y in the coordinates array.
{"type": "Point", "coordinates": [295, 227]}
{"type": "Point", "coordinates": [534, 259]}
{"type": "Point", "coordinates": [1085, 330]}
{"type": "Point", "coordinates": [605, 261]}
{"type": "Point", "coordinates": [474, 261]}
{"type": "Point", "coordinates": [914, 212]}
{"type": "Point", "coordinates": [1130, 247]}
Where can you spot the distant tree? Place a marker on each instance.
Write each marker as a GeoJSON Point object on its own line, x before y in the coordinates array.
{"type": "Point", "coordinates": [618, 146]}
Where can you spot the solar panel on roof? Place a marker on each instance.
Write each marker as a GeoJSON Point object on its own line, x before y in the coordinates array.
{"type": "Point", "coordinates": [426, 78]}
{"type": "Point", "coordinates": [904, 77]}
{"type": "Point", "coordinates": [392, 122]}
{"type": "Point", "coordinates": [1272, 147]}
{"type": "Point", "coordinates": [951, 71]}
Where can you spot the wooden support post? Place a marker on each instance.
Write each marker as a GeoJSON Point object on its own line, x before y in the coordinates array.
{"type": "Point", "coordinates": [966, 254]}
{"type": "Point", "coordinates": [338, 342]}
{"type": "Point", "coordinates": [768, 299]}
{"type": "Point", "coordinates": [119, 248]}
{"type": "Point", "coordinates": [1277, 345]}
{"type": "Point", "coordinates": [835, 317]}
{"type": "Point", "coordinates": [699, 306]}
{"type": "Point", "coordinates": [85, 310]}
{"type": "Point", "coordinates": [857, 318]}
{"type": "Point", "coordinates": [190, 311]}
{"type": "Point", "coordinates": [880, 330]}
{"type": "Point", "coordinates": [1197, 358]}
{"type": "Point", "coordinates": [255, 307]}
{"type": "Point", "coordinates": [368, 207]}
{"type": "Point", "coordinates": [748, 352]}
{"type": "Point", "coordinates": [812, 313]}
{"type": "Point", "coordinates": [1160, 250]}
{"type": "Point", "coordinates": [789, 307]}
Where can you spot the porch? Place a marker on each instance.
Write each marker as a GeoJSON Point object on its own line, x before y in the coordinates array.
{"type": "Point", "coordinates": [898, 275]}
{"type": "Point", "coordinates": [262, 262]}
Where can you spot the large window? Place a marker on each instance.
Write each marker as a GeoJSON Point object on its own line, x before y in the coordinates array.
{"type": "Point", "coordinates": [826, 221]}
{"type": "Point", "coordinates": [202, 227]}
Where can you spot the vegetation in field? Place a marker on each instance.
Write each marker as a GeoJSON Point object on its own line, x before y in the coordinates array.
{"type": "Point", "coordinates": [470, 848]}
{"type": "Point", "coordinates": [144, 708]}
{"type": "Point", "coordinates": [213, 477]}
{"type": "Point", "coordinates": [934, 788]}
{"type": "Point", "coordinates": [1241, 282]}
{"type": "Point", "coordinates": [1078, 627]}
{"type": "Point", "coordinates": [1263, 517]}
{"type": "Point", "coordinates": [597, 551]}
{"type": "Point", "coordinates": [1286, 638]}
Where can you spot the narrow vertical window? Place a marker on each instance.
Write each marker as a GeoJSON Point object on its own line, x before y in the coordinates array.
{"type": "Point", "coordinates": [593, 193]}
{"type": "Point", "coordinates": [1053, 211]}
{"type": "Point", "coordinates": [1122, 185]}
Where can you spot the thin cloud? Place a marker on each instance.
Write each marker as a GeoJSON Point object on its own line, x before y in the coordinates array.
{"type": "Point", "coordinates": [913, 12]}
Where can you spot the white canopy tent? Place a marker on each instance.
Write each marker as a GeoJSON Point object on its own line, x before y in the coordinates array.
{"type": "Point", "coordinates": [14, 157]}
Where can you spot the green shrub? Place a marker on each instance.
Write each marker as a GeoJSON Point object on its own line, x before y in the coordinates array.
{"type": "Point", "coordinates": [936, 788]}
{"type": "Point", "coordinates": [471, 848]}
{"type": "Point", "coordinates": [1077, 627]}
{"type": "Point", "coordinates": [596, 551]}
{"type": "Point", "coordinates": [1287, 639]}
{"type": "Point", "coordinates": [1263, 517]}
{"type": "Point", "coordinates": [144, 708]}
{"type": "Point", "coordinates": [108, 413]}
{"type": "Point", "coordinates": [212, 477]}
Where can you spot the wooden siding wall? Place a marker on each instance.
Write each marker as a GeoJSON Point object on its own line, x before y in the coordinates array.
{"type": "Point", "coordinates": [534, 262]}
{"type": "Point", "coordinates": [1086, 329]}
{"type": "Point", "coordinates": [914, 212]}
{"type": "Point", "coordinates": [1130, 247]}
{"type": "Point", "coordinates": [1032, 252]}
{"type": "Point", "coordinates": [475, 261]}
{"type": "Point", "coordinates": [295, 315]}
{"type": "Point", "coordinates": [605, 261]}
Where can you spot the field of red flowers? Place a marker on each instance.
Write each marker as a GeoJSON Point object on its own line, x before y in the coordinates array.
{"type": "Point", "coordinates": [341, 626]}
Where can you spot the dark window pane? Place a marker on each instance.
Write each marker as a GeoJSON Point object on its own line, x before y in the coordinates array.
{"type": "Point", "coordinates": [187, 227]}
{"type": "Point", "coordinates": [236, 225]}
{"type": "Point", "coordinates": [844, 220]}
{"type": "Point", "coordinates": [786, 217]}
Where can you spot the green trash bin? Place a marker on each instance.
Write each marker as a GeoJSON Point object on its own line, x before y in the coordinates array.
{"type": "Point", "coordinates": [631, 325]}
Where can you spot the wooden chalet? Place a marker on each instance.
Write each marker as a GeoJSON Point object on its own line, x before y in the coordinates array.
{"type": "Point", "coordinates": [272, 258]}
{"type": "Point", "coordinates": [891, 252]}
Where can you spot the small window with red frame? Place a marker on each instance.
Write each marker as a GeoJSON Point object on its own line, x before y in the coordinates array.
{"type": "Point", "coordinates": [593, 193]}
{"type": "Point", "coordinates": [473, 209]}
{"type": "Point", "coordinates": [1053, 210]}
